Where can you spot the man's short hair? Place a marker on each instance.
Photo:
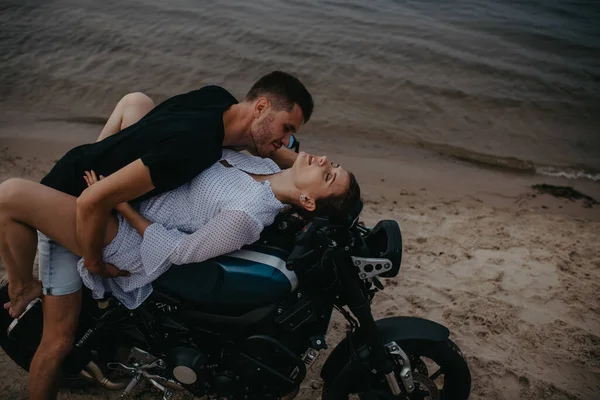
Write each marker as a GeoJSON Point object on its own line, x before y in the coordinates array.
{"type": "Point", "coordinates": [283, 90]}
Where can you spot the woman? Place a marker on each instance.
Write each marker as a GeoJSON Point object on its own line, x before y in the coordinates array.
{"type": "Point", "coordinates": [219, 211]}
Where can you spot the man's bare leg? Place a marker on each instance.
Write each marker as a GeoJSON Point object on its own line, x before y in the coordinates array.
{"type": "Point", "coordinates": [61, 316]}
{"type": "Point", "coordinates": [129, 110]}
{"type": "Point", "coordinates": [61, 313]}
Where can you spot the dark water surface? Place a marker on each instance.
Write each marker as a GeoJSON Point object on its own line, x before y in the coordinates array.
{"type": "Point", "coordinates": [515, 83]}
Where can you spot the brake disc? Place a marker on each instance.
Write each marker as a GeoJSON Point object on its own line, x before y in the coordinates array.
{"type": "Point", "coordinates": [418, 365]}
{"type": "Point", "coordinates": [425, 388]}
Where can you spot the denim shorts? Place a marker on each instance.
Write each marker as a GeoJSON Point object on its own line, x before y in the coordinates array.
{"type": "Point", "coordinates": [58, 268]}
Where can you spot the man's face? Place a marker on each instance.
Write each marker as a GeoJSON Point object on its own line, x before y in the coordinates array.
{"type": "Point", "coordinates": [272, 129]}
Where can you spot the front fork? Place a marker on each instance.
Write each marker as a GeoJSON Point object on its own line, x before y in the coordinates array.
{"type": "Point", "coordinates": [401, 359]}
{"type": "Point", "coordinates": [360, 306]}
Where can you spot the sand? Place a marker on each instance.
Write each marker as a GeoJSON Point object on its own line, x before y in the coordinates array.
{"type": "Point", "coordinates": [514, 275]}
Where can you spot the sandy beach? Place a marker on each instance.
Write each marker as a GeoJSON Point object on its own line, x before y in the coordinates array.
{"type": "Point", "coordinates": [513, 274]}
{"type": "Point", "coordinates": [403, 91]}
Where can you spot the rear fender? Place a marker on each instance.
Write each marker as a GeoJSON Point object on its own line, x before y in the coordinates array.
{"type": "Point", "coordinates": [390, 329]}
{"type": "Point", "coordinates": [19, 351]}
{"type": "Point", "coordinates": [26, 336]}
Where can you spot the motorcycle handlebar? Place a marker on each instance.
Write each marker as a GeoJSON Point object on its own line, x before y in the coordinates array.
{"type": "Point", "coordinates": [302, 241]}
{"type": "Point", "coordinates": [308, 244]}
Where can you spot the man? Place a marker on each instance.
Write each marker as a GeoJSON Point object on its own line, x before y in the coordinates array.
{"type": "Point", "coordinates": [167, 147]}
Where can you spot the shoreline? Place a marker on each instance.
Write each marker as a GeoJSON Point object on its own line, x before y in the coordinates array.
{"type": "Point", "coordinates": [514, 275]}
{"type": "Point", "coordinates": [308, 134]}
{"type": "Point", "coordinates": [380, 169]}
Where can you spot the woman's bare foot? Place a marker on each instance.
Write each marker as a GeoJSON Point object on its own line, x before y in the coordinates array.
{"type": "Point", "coordinates": [20, 298]}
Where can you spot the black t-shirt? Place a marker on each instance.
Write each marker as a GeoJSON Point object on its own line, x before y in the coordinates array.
{"type": "Point", "coordinates": [176, 140]}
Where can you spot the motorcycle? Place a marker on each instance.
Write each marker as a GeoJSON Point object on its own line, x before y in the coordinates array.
{"type": "Point", "coordinates": [250, 324]}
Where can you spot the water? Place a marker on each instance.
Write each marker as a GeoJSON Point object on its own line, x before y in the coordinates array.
{"type": "Point", "coordinates": [497, 82]}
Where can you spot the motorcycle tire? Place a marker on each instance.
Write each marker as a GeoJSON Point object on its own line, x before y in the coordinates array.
{"type": "Point", "coordinates": [456, 384]}
{"type": "Point", "coordinates": [22, 355]}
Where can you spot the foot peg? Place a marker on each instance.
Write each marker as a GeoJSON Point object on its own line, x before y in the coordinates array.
{"type": "Point", "coordinates": [140, 372]}
{"type": "Point", "coordinates": [167, 393]}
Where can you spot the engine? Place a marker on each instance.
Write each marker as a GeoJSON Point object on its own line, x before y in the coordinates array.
{"type": "Point", "coordinates": [234, 375]}
{"type": "Point", "coordinates": [187, 366]}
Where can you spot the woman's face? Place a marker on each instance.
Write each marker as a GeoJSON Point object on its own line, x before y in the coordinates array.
{"type": "Point", "coordinates": [316, 178]}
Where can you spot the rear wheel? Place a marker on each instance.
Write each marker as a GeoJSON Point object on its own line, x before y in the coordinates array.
{"type": "Point", "coordinates": [18, 351]}
{"type": "Point", "coordinates": [22, 349]}
{"type": "Point", "coordinates": [440, 372]}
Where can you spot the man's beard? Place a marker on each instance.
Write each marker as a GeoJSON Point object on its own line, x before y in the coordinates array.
{"type": "Point", "coordinates": [261, 137]}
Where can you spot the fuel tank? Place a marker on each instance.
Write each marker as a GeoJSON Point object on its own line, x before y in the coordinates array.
{"type": "Point", "coordinates": [253, 276]}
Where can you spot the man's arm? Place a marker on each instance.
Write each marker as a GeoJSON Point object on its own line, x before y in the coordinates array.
{"type": "Point", "coordinates": [284, 157]}
{"type": "Point", "coordinates": [94, 206]}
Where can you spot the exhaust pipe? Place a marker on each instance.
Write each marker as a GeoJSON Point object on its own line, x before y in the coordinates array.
{"type": "Point", "coordinates": [94, 373]}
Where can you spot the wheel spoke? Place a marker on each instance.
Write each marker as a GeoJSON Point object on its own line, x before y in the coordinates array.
{"type": "Point", "coordinates": [436, 374]}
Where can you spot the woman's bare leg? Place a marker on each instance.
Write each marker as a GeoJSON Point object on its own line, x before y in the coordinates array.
{"type": "Point", "coordinates": [25, 207]}
{"type": "Point", "coordinates": [18, 243]}
{"type": "Point", "coordinates": [129, 110]}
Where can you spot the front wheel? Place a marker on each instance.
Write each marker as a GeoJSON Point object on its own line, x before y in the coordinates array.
{"type": "Point", "coordinates": [440, 372]}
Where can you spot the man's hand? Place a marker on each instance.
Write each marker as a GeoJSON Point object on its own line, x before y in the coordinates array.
{"type": "Point", "coordinates": [106, 270]}
{"type": "Point", "coordinates": [103, 269]}
{"type": "Point", "coordinates": [284, 157]}
{"type": "Point", "coordinates": [91, 178]}
{"type": "Point", "coordinates": [96, 202]}
{"type": "Point", "coordinates": [134, 218]}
